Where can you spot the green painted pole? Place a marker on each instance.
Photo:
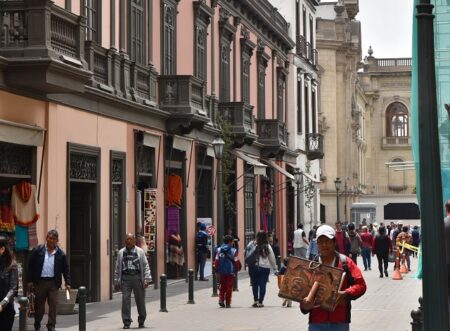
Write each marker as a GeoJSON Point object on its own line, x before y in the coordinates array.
{"type": "Point", "coordinates": [191, 287]}
{"type": "Point", "coordinates": [82, 294]}
{"type": "Point", "coordinates": [435, 294]}
{"type": "Point", "coordinates": [23, 311]}
{"type": "Point", "coordinates": [162, 296]}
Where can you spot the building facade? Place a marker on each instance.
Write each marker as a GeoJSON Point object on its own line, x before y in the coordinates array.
{"type": "Point", "coordinates": [109, 110]}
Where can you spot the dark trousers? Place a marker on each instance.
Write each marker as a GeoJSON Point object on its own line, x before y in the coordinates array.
{"type": "Point", "coordinates": [382, 262]}
{"type": "Point", "coordinates": [7, 317]}
{"type": "Point", "coordinates": [258, 278]}
{"type": "Point", "coordinates": [355, 258]}
{"type": "Point", "coordinates": [226, 288]}
{"type": "Point", "coordinates": [45, 290]}
{"type": "Point", "coordinates": [367, 260]}
{"type": "Point", "coordinates": [201, 261]}
{"type": "Point", "coordinates": [133, 283]}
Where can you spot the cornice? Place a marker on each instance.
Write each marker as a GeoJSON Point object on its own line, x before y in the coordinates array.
{"type": "Point", "coordinates": [202, 11]}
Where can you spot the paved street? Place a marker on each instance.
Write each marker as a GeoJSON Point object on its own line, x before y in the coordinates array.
{"type": "Point", "coordinates": [385, 306]}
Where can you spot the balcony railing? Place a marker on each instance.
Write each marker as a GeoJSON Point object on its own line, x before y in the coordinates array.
{"type": "Point", "coordinates": [239, 115]}
{"type": "Point", "coordinates": [314, 146]}
{"type": "Point", "coordinates": [396, 142]}
{"type": "Point", "coordinates": [305, 50]}
{"type": "Point", "coordinates": [272, 132]}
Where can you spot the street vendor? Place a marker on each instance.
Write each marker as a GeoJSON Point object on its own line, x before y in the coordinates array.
{"type": "Point", "coordinates": [352, 287]}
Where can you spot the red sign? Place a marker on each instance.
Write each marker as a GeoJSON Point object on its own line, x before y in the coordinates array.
{"type": "Point", "coordinates": [211, 230]}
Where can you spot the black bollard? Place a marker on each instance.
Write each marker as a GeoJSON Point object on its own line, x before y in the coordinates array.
{"type": "Point", "coordinates": [82, 294]}
{"type": "Point", "coordinates": [417, 317]}
{"type": "Point", "coordinates": [191, 287]}
{"type": "Point", "coordinates": [235, 283]}
{"type": "Point", "coordinates": [214, 283]}
{"type": "Point", "coordinates": [162, 289]}
{"type": "Point", "coordinates": [23, 311]}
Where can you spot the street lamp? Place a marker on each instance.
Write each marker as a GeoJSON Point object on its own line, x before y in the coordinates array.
{"type": "Point", "coordinates": [218, 145]}
{"type": "Point", "coordinates": [345, 201]}
{"type": "Point", "coordinates": [337, 184]}
{"type": "Point", "coordinates": [298, 175]}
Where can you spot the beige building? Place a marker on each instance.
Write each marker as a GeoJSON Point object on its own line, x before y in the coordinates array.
{"type": "Point", "coordinates": [363, 115]}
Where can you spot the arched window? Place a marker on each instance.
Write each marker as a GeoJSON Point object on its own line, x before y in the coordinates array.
{"type": "Point", "coordinates": [397, 120]}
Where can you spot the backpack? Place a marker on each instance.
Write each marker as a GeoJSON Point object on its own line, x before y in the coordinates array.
{"type": "Point", "coordinates": [252, 255]}
{"type": "Point", "coordinates": [226, 260]}
{"type": "Point", "coordinates": [201, 242]}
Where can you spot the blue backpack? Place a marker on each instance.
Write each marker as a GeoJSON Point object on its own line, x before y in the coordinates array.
{"type": "Point", "coordinates": [226, 260]}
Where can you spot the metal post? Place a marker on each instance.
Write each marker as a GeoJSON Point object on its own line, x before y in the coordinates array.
{"type": "Point", "coordinates": [298, 204]}
{"type": "Point", "coordinates": [337, 204]}
{"type": "Point", "coordinates": [345, 201]}
{"type": "Point", "coordinates": [435, 297]}
{"type": "Point", "coordinates": [162, 292]}
{"type": "Point", "coordinates": [214, 282]}
{"type": "Point", "coordinates": [191, 287]}
{"type": "Point", "coordinates": [236, 283]}
{"type": "Point", "coordinates": [220, 225]}
{"type": "Point", "coordinates": [23, 310]}
{"type": "Point", "coordinates": [82, 294]}
{"type": "Point", "coordinates": [417, 317]}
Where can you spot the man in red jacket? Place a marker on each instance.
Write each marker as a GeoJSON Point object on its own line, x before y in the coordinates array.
{"type": "Point", "coordinates": [352, 288]}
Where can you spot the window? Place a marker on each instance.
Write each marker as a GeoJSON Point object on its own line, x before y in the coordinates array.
{"type": "Point", "coordinates": [313, 110]}
{"type": "Point", "coordinates": [263, 59]}
{"type": "Point", "coordinates": [247, 47]}
{"type": "Point", "coordinates": [397, 120]}
{"type": "Point", "coordinates": [306, 97]}
{"type": "Point", "coordinates": [136, 28]}
{"type": "Point", "coordinates": [299, 101]}
{"type": "Point", "coordinates": [91, 9]}
{"type": "Point", "coordinates": [249, 204]}
{"type": "Point", "coordinates": [226, 31]}
{"type": "Point", "coordinates": [281, 79]}
{"type": "Point", "coordinates": [202, 17]}
{"type": "Point", "coordinates": [169, 18]}
{"type": "Point", "coordinates": [297, 18]}
{"type": "Point", "coordinates": [311, 31]}
{"type": "Point", "coordinates": [304, 22]}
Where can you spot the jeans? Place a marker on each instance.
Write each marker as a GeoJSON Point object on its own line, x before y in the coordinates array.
{"type": "Point", "coordinates": [366, 257]}
{"type": "Point", "coordinates": [382, 263]}
{"type": "Point", "coordinates": [300, 252]}
{"type": "Point", "coordinates": [258, 278]}
{"type": "Point", "coordinates": [201, 261]}
{"type": "Point", "coordinates": [329, 327]}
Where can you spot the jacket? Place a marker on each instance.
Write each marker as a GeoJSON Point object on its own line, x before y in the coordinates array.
{"type": "Point", "coordinates": [355, 243]}
{"type": "Point", "coordinates": [382, 245]}
{"type": "Point", "coordinates": [143, 266]}
{"type": "Point", "coordinates": [8, 284]}
{"type": "Point", "coordinates": [37, 262]}
{"type": "Point", "coordinates": [342, 313]}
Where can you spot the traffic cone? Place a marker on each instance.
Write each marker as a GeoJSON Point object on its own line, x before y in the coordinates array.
{"type": "Point", "coordinates": [397, 275]}
{"type": "Point", "coordinates": [403, 268]}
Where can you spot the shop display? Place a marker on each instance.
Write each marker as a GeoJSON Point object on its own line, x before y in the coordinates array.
{"type": "Point", "coordinates": [150, 213]}
{"type": "Point", "coordinates": [174, 190]}
{"type": "Point", "coordinates": [24, 204]}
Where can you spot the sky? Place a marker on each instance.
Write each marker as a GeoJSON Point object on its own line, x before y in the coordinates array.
{"type": "Point", "coordinates": [387, 27]}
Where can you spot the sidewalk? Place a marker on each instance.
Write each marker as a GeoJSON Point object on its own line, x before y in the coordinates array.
{"type": "Point", "coordinates": [385, 306]}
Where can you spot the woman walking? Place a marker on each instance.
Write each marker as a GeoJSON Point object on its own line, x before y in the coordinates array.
{"type": "Point", "coordinates": [260, 270]}
{"type": "Point", "coordinates": [381, 247]}
{"type": "Point", "coordinates": [8, 286]}
{"type": "Point", "coordinates": [367, 242]}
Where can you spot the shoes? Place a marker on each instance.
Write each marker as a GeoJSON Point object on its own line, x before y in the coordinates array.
{"type": "Point", "coordinates": [370, 268]}
{"type": "Point", "coordinates": [141, 326]}
{"type": "Point", "coordinates": [289, 303]}
{"type": "Point", "coordinates": [255, 304]}
{"type": "Point", "coordinates": [203, 279]}
{"type": "Point", "coordinates": [228, 305]}
{"type": "Point", "coordinates": [126, 326]}
{"type": "Point", "coordinates": [260, 305]}
{"type": "Point", "coordinates": [386, 273]}
{"type": "Point", "coordinates": [409, 269]}
{"type": "Point", "coordinates": [284, 302]}
{"type": "Point", "coordinates": [381, 275]}
{"type": "Point", "coordinates": [221, 304]}
{"type": "Point", "coordinates": [50, 329]}
{"type": "Point", "coordinates": [365, 269]}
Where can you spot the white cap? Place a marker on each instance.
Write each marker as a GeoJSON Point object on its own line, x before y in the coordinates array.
{"type": "Point", "coordinates": [325, 230]}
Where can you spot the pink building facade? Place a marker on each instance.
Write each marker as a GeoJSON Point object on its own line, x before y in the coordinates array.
{"type": "Point", "coordinates": [111, 116]}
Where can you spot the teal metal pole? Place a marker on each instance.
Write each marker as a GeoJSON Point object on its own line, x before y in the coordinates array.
{"type": "Point", "coordinates": [82, 294]}
{"type": "Point", "coordinates": [435, 294]}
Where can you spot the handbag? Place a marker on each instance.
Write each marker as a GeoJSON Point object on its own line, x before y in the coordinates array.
{"type": "Point", "coordinates": [391, 258]}
{"type": "Point", "coordinates": [304, 278]}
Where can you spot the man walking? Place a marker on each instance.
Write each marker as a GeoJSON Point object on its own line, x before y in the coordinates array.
{"type": "Point", "coordinates": [201, 250]}
{"type": "Point", "coordinates": [300, 242]}
{"type": "Point", "coordinates": [132, 273]}
{"type": "Point", "coordinates": [46, 266]}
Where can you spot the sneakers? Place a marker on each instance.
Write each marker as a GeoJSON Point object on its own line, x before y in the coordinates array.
{"type": "Point", "coordinates": [381, 275]}
{"type": "Point", "coordinates": [260, 305]}
{"type": "Point", "coordinates": [126, 326]}
{"type": "Point", "coordinates": [141, 326]}
{"type": "Point", "coordinates": [386, 273]}
{"type": "Point", "coordinates": [255, 304]}
{"type": "Point", "coordinates": [284, 302]}
{"type": "Point", "coordinates": [289, 304]}
{"type": "Point", "coordinates": [221, 304]}
{"type": "Point", "coordinates": [228, 305]}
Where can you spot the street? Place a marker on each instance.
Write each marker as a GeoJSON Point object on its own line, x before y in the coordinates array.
{"type": "Point", "coordinates": [385, 306]}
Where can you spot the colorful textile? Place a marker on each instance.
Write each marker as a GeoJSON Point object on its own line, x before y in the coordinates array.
{"type": "Point", "coordinates": [21, 238]}
{"type": "Point", "coordinates": [32, 236]}
{"type": "Point", "coordinates": [173, 220]}
{"type": "Point", "coordinates": [6, 218]}
{"type": "Point", "coordinates": [24, 204]}
{"type": "Point", "coordinates": [174, 190]}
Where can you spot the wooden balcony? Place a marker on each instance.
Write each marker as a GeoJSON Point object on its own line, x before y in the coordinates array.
{"type": "Point", "coordinates": [43, 45]}
{"type": "Point", "coordinates": [184, 98]}
{"type": "Point", "coordinates": [239, 115]}
{"type": "Point", "coordinates": [272, 134]}
{"type": "Point", "coordinates": [396, 142]}
{"type": "Point", "coordinates": [314, 146]}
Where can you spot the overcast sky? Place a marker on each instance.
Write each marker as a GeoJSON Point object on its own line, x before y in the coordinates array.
{"type": "Point", "coordinates": [387, 27]}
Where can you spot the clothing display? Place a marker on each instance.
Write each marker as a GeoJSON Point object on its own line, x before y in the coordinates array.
{"type": "Point", "coordinates": [174, 190]}
{"type": "Point", "coordinates": [24, 204]}
{"type": "Point", "coordinates": [173, 220]}
{"type": "Point", "coordinates": [6, 213]}
{"type": "Point", "coordinates": [176, 253]}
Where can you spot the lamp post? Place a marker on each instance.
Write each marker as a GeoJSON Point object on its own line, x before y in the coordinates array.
{"type": "Point", "coordinates": [337, 185]}
{"type": "Point", "coordinates": [345, 201]}
{"type": "Point", "coordinates": [435, 305]}
{"type": "Point", "coordinates": [298, 174]}
{"type": "Point", "coordinates": [218, 145]}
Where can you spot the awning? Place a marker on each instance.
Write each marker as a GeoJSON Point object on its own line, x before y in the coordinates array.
{"type": "Point", "coordinates": [151, 140]}
{"type": "Point", "coordinates": [258, 167]}
{"type": "Point", "coordinates": [279, 169]}
{"type": "Point", "coordinates": [182, 144]}
{"type": "Point", "coordinates": [22, 134]}
{"type": "Point", "coordinates": [210, 151]}
{"type": "Point", "coordinates": [311, 178]}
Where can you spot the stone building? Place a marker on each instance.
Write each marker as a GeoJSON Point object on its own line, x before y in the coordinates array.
{"type": "Point", "coordinates": [110, 108]}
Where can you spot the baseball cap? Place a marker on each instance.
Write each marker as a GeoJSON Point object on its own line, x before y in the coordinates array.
{"type": "Point", "coordinates": [202, 226]}
{"type": "Point", "coordinates": [325, 230]}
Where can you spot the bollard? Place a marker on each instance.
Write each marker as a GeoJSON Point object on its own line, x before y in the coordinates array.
{"type": "Point", "coordinates": [191, 287]}
{"type": "Point", "coordinates": [162, 288]}
{"type": "Point", "coordinates": [417, 317]}
{"type": "Point", "coordinates": [214, 283]}
{"type": "Point", "coordinates": [235, 283]}
{"type": "Point", "coordinates": [82, 294]}
{"type": "Point", "coordinates": [23, 310]}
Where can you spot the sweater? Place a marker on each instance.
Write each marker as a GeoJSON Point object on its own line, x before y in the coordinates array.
{"type": "Point", "coordinates": [144, 268]}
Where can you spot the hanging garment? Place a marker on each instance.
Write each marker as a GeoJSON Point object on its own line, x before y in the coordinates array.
{"type": "Point", "coordinates": [174, 190]}
{"type": "Point", "coordinates": [24, 204]}
{"type": "Point", "coordinates": [21, 238]}
{"type": "Point", "coordinates": [6, 214]}
{"type": "Point", "coordinates": [173, 220]}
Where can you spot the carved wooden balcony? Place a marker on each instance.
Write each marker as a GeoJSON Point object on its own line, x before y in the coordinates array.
{"type": "Point", "coordinates": [44, 46]}
{"type": "Point", "coordinates": [184, 98]}
{"type": "Point", "coordinates": [239, 115]}
{"type": "Point", "coordinates": [314, 146]}
{"type": "Point", "coordinates": [272, 134]}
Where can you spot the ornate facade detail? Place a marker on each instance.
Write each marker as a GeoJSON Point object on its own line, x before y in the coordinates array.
{"type": "Point", "coordinates": [117, 171]}
{"type": "Point", "coordinates": [83, 167]}
{"type": "Point", "coordinates": [16, 160]}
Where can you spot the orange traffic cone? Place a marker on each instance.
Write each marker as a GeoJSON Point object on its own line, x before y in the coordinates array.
{"type": "Point", "coordinates": [403, 268]}
{"type": "Point", "coordinates": [397, 275]}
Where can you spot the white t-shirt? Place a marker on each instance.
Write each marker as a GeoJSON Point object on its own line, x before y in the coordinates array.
{"type": "Point", "coordinates": [298, 239]}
